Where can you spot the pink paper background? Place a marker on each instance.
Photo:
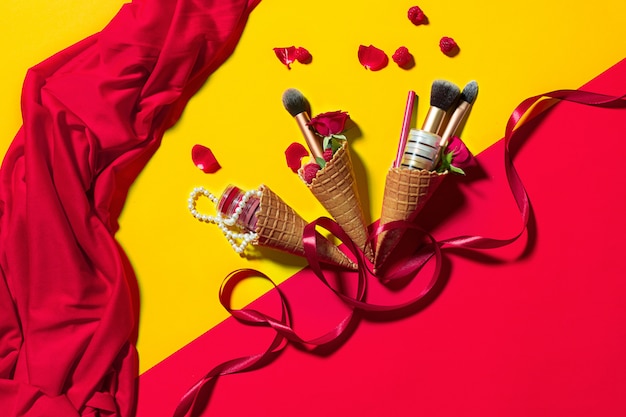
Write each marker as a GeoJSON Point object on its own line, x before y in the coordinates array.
{"type": "Point", "coordinates": [534, 329]}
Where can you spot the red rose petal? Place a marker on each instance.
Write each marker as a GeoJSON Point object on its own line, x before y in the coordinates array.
{"type": "Point", "coordinates": [294, 154]}
{"type": "Point", "coordinates": [462, 157]}
{"type": "Point", "coordinates": [204, 159]}
{"type": "Point", "coordinates": [286, 55]}
{"type": "Point", "coordinates": [329, 123]}
{"type": "Point", "coordinates": [372, 58]}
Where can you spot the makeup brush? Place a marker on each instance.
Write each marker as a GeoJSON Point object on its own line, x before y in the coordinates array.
{"type": "Point", "coordinates": [422, 146]}
{"type": "Point", "coordinates": [466, 100]}
{"type": "Point", "coordinates": [443, 95]}
{"type": "Point", "coordinates": [298, 106]}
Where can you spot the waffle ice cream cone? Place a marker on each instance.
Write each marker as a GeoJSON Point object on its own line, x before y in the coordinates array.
{"type": "Point", "coordinates": [406, 192]}
{"type": "Point", "coordinates": [335, 188]}
{"type": "Point", "coordinates": [280, 227]}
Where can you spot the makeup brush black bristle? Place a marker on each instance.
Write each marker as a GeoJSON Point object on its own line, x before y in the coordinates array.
{"type": "Point", "coordinates": [295, 102]}
{"type": "Point", "coordinates": [469, 93]}
{"type": "Point", "coordinates": [443, 94]}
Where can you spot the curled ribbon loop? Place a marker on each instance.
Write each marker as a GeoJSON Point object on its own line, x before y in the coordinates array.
{"type": "Point", "coordinates": [359, 302]}
{"type": "Point", "coordinates": [201, 391]}
{"type": "Point", "coordinates": [515, 183]}
{"type": "Point", "coordinates": [413, 266]}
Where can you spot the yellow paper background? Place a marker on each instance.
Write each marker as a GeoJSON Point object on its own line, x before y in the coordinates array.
{"type": "Point", "coordinates": [512, 50]}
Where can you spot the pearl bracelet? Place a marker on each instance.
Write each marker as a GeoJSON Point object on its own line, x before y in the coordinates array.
{"type": "Point", "coordinates": [238, 239]}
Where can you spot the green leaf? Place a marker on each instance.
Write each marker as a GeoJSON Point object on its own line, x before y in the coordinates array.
{"type": "Point", "coordinates": [335, 145]}
{"type": "Point", "coordinates": [445, 163]}
{"type": "Point", "coordinates": [456, 170]}
{"type": "Point", "coordinates": [340, 137]}
{"type": "Point", "coordinates": [327, 142]}
{"type": "Point", "coordinates": [320, 161]}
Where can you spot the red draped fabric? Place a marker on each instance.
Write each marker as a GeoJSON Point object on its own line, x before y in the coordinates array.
{"type": "Point", "coordinates": [93, 115]}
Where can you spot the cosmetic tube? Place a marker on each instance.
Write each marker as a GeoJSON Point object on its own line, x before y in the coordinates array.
{"type": "Point", "coordinates": [421, 150]}
{"type": "Point", "coordinates": [230, 203]}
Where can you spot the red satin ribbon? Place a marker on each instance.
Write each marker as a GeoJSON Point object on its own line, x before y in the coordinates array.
{"type": "Point", "coordinates": [357, 301]}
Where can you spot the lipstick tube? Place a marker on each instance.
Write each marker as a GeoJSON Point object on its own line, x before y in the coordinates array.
{"type": "Point", "coordinates": [230, 203]}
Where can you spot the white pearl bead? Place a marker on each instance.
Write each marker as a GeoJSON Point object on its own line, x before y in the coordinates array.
{"type": "Point", "coordinates": [235, 237]}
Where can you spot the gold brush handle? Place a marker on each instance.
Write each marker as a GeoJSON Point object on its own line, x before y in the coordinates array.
{"type": "Point", "coordinates": [311, 139]}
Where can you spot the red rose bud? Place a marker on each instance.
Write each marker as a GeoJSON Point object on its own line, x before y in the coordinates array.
{"type": "Point", "coordinates": [294, 154]}
{"type": "Point", "coordinates": [461, 156]}
{"type": "Point", "coordinates": [329, 123]}
{"type": "Point", "coordinates": [402, 57]}
{"type": "Point", "coordinates": [448, 46]}
{"type": "Point", "coordinates": [372, 58]}
{"type": "Point", "coordinates": [286, 55]}
{"type": "Point", "coordinates": [303, 56]}
{"type": "Point", "coordinates": [416, 15]}
{"type": "Point", "coordinates": [309, 171]}
{"type": "Point", "coordinates": [328, 154]}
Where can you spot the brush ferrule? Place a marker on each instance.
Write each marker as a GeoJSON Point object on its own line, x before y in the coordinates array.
{"type": "Point", "coordinates": [311, 139]}
{"type": "Point", "coordinates": [433, 119]}
{"type": "Point", "coordinates": [454, 122]}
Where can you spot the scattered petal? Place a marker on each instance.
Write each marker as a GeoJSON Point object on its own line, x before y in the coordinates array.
{"type": "Point", "coordinates": [309, 171]}
{"type": "Point", "coordinates": [204, 159]}
{"type": "Point", "coordinates": [403, 57]}
{"type": "Point", "coordinates": [372, 58]}
{"type": "Point", "coordinates": [417, 16]}
{"type": "Point", "coordinates": [448, 46]}
{"type": "Point", "coordinates": [294, 154]}
{"type": "Point", "coordinates": [286, 55]}
{"type": "Point", "coordinates": [303, 56]}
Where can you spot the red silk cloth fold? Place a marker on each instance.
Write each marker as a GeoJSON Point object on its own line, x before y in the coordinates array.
{"type": "Point", "coordinates": [354, 294]}
{"type": "Point", "coordinates": [93, 115]}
